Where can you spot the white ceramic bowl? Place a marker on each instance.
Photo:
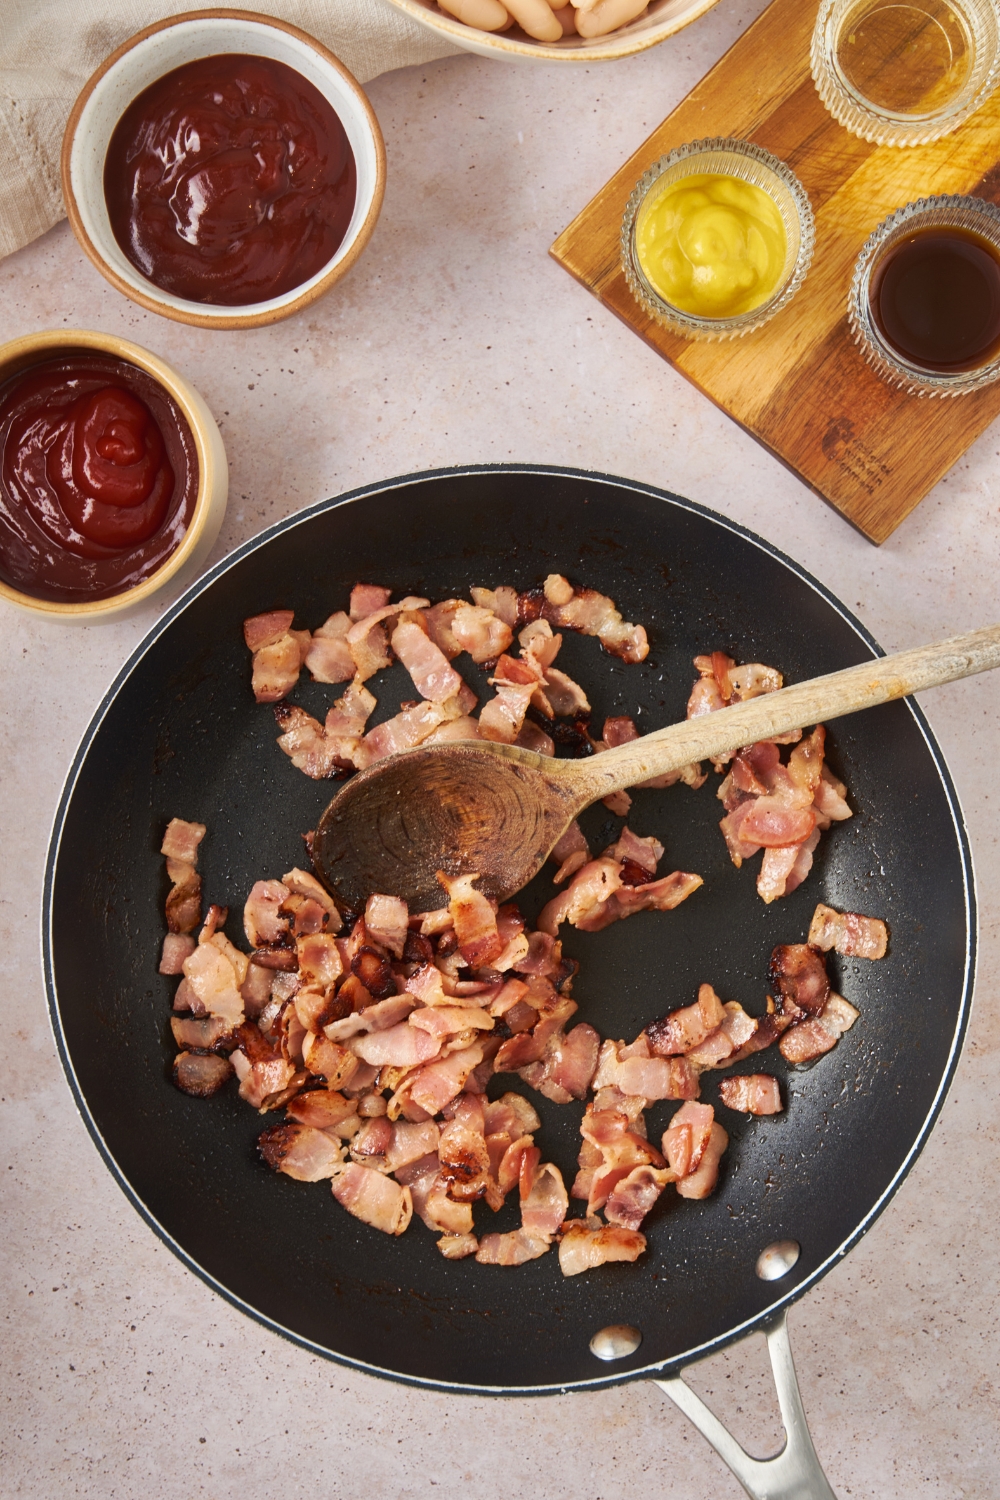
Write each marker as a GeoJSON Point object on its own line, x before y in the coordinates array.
{"type": "Point", "coordinates": [213, 470]}
{"type": "Point", "coordinates": [158, 50]}
{"type": "Point", "coordinates": [661, 20]}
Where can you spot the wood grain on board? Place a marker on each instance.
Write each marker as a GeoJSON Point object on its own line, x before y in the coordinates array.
{"type": "Point", "coordinates": [800, 384]}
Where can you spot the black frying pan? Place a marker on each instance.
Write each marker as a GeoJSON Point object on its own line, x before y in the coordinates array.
{"type": "Point", "coordinates": [179, 734]}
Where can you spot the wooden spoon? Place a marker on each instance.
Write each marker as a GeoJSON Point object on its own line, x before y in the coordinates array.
{"type": "Point", "coordinates": [475, 807]}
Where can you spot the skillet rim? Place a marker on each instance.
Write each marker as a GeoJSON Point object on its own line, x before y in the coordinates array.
{"type": "Point", "coordinates": [655, 1371]}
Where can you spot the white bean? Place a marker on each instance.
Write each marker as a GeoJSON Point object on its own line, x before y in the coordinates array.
{"type": "Point", "coordinates": [488, 15]}
{"type": "Point", "coordinates": [536, 18]}
{"type": "Point", "coordinates": [566, 16]}
{"type": "Point", "coordinates": [608, 15]}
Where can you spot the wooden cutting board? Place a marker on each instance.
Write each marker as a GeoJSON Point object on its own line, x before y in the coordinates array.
{"type": "Point", "coordinates": [800, 384]}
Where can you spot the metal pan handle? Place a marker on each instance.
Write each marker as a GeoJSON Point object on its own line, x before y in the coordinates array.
{"type": "Point", "coordinates": [795, 1473]}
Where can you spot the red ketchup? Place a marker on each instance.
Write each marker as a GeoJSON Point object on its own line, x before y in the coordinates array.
{"type": "Point", "coordinates": [230, 180]}
{"type": "Point", "coordinates": [98, 478]}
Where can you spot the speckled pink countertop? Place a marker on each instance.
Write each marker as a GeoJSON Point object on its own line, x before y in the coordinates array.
{"type": "Point", "coordinates": [457, 340]}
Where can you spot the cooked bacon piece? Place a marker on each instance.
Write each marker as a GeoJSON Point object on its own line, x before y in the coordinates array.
{"type": "Point", "coordinates": [538, 641]}
{"type": "Point", "coordinates": [683, 1029]}
{"type": "Point", "coordinates": [201, 1075]}
{"type": "Point", "coordinates": [511, 1113]}
{"type": "Point", "coordinates": [809, 1039]}
{"type": "Point", "coordinates": [783, 869]}
{"type": "Point", "coordinates": [263, 1070]}
{"type": "Point", "coordinates": [588, 891]}
{"type": "Point", "coordinates": [324, 1109]}
{"type": "Point", "coordinates": [544, 1202]}
{"type": "Point", "coordinates": [570, 853]}
{"type": "Point", "coordinates": [831, 800]}
{"type": "Point", "coordinates": [517, 682]}
{"type": "Point", "coordinates": [214, 980]}
{"type": "Point", "coordinates": [301, 1152]}
{"type": "Point", "coordinates": [263, 921]}
{"type": "Point", "coordinates": [687, 1137]}
{"type": "Point", "coordinates": [772, 823]}
{"type": "Point", "coordinates": [409, 1142]}
{"type": "Point", "coordinates": [202, 1033]}
{"type": "Point", "coordinates": [350, 713]}
{"type": "Point", "coordinates": [304, 742]}
{"type": "Point", "coordinates": [702, 1181]}
{"type": "Point", "coordinates": [569, 1064]}
{"type": "Point", "coordinates": [462, 1150]}
{"type": "Point", "coordinates": [276, 666]}
{"type": "Point", "coordinates": [798, 972]}
{"type": "Point", "coordinates": [373, 1198]}
{"type": "Point", "coordinates": [370, 1144]}
{"type": "Point", "coordinates": [475, 920]}
{"type": "Point", "coordinates": [264, 630]}
{"type": "Point", "coordinates": [754, 1093]}
{"type": "Point", "coordinates": [176, 948]}
{"type": "Point", "coordinates": [631, 849]}
{"type": "Point", "coordinates": [366, 598]}
{"type": "Point", "coordinates": [386, 919]}
{"type": "Point", "coordinates": [645, 1077]}
{"type": "Point", "coordinates": [659, 895]}
{"type": "Point", "coordinates": [449, 1020]}
{"type": "Point", "coordinates": [329, 657]}
{"type": "Point", "coordinates": [400, 1046]}
{"type": "Point", "coordinates": [410, 727]}
{"type": "Point", "coordinates": [457, 1246]}
{"type": "Point", "coordinates": [502, 601]}
{"type": "Point", "coordinates": [848, 932]}
{"type": "Point", "coordinates": [480, 632]}
{"type": "Point", "coordinates": [438, 621]}
{"type": "Point", "coordinates": [583, 1247]}
{"type": "Point", "coordinates": [329, 1060]}
{"type": "Point", "coordinates": [369, 648]}
{"type": "Point", "coordinates": [378, 1017]}
{"type": "Point", "coordinates": [464, 728]}
{"type": "Point", "coordinates": [592, 613]}
{"type": "Point", "coordinates": [436, 1083]}
{"type": "Point", "coordinates": [426, 663]}
{"type": "Point", "coordinates": [181, 840]}
{"type": "Point", "coordinates": [614, 1143]}
{"type": "Point", "coordinates": [511, 1249]}
{"type": "Point", "coordinates": [633, 1197]}
{"type": "Point", "coordinates": [567, 697]}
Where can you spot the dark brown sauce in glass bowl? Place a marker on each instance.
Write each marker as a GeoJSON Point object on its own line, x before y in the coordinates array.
{"type": "Point", "coordinates": [935, 299]}
{"type": "Point", "coordinates": [230, 180]}
{"type": "Point", "coordinates": [98, 477]}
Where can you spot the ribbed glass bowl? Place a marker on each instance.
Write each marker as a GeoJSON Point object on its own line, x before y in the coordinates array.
{"type": "Point", "coordinates": [751, 164]}
{"type": "Point", "coordinates": [978, 22]}
{"type": "Point", "coordinates": [948, 211]}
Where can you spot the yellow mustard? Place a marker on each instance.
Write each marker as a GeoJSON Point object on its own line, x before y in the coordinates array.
{"type": "Point", "coordinates": [711, 245]}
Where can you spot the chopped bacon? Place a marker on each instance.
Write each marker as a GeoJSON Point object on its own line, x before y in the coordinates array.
{"type": "Point", "coordinates": [301, 1151]}
{"type": "Point", "coordinates": [502, 601]}
{"type": "Point", "coordinates": [214, 980]}
{"type": "Point", "coordinates": [512, 1249]}
{"type": "Point", "coordinates": [633, 1196]}
{"type": "Point", "coordinates": [772, 823]}
{"type": "Point", "coordinates": [569, 853]}
{"type": "Point", "coordinates": [276, 666]}
{"type": "Point", "coordinates": [400, 1046]}
{"type": "Point", "coordinates": [329, 657]}
{"type": "Point", "coordinates": [810, 1038]}
{"type": "Point", "coordinates": [645, 1077]}
{"type": "Point", "coordinates": [702, 1181]}
{"type": "Point", "coordinates": [201, 1075]}
{"type": "Point", "coordinates": [264, 630]}
{"type": "Point", "coordinates": [438, 621]}
{"type": "Point", "coordinates": [426, 663]}
{"type": "Point", "coordinates": [449, 1020]}
{"type": "Point", "coordinates": [659, 895]}
{"type": "Point", "coordinates": [373, 1198]}
{"type": "Point", "coordinates": [591, 613]}
{"type": "Point", "coordinates": [566, 697]}
{"type": "Point", "coordinates": [753, 1093]}
{"type": "Point", "coordinates": [181, 840]}
{"type": "Point", "coordinates": [798, 972]}
{"type": "Point", "coordinates": [324, 1109]}
{"type": "Point", "coordinates": [457, 1246]}
{"type": "Point", "coordinates": [502, 717]}
{"type": "Point", "coordinates": [475, 920]}
{"type": "Point", "coordinates": [436, 1083]}
{"type": "Point", "coordinates": [462, 1151]}
{"type": "Point", "coordinates": [588, 891]}
{"type": "Point", "coordinates": [261, 1066]}
{"type": "Point", "coordinates": [366, 598]}
{"type": "Point", "coordinates": [202, 1033]}
{"type": "Point", "coordinates": [848, 932]}
{"type": "Point", "coordinates": [381, 1016]}
{"type": "Point", "coordinates": [480, 632]}
{"type": "Point", "coordinates": [631, 849]}
{"type": "Point", "coordinates": [386, 919]}
{"type": "Point", "coordinates": [263, 921]}
{"type": "Point", "coordinates": [410, 727]}
{"type": "Point", "coordinates": [568, 1064]}
{"type": "Point", "coordinates": [329, 1060]}
{"type": "Point", "coordinates": [409, 1142]}
{"type": "Point", "coordinates": [683, 1029]}
{"type": "Point", "coordinates": [582, 1247]}
{"type": "Point", "coordinates": [176, 948]}
{"type": "Point", "coordinates": [304, 742]}
{"type": "Point", "coordinates": [538, 641]}
{"type": "Point", "coordinates": [544, 1202]}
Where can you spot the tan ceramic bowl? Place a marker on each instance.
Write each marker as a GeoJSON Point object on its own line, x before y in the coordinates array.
{"type": "Point", "coordinates": [159, 49]}
{"type": "Point", "coordinates": [661, 20]}
{"type": "Point", "coordinates": [213, 470]}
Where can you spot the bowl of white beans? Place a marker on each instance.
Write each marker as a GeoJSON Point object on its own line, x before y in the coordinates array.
{"type": "Point", "coordinates": [555, 30]}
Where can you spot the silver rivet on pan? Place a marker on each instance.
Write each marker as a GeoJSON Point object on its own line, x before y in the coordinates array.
{"type": "Point", "coordinates": [777, 1260]}
{"type": "Point", "coordinates": [615, 1341]}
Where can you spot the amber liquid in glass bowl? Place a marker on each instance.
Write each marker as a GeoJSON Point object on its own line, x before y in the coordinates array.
{"type": "Point", "coordinates": [935, 299]}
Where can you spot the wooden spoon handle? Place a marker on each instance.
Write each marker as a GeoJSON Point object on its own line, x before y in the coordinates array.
{"type": "Point", "coordinates": [795, 707]}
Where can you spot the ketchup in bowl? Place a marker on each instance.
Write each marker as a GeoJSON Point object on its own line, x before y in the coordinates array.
{"type": "Point", "coordinates": [230, 180]}
{"type": "Point", "coordinates": [98, 478]}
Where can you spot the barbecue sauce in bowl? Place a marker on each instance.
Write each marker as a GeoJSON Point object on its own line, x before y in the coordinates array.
{"type": "Point", "coordinates": [935, 299]}
{"type": "Point", "coordinates": [230, 181]}
{"type": "Point", "coordinates": [98, 478]}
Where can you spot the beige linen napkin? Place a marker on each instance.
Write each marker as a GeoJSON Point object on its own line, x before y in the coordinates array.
{"type": "Point", "coordinates": [49, 48]}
